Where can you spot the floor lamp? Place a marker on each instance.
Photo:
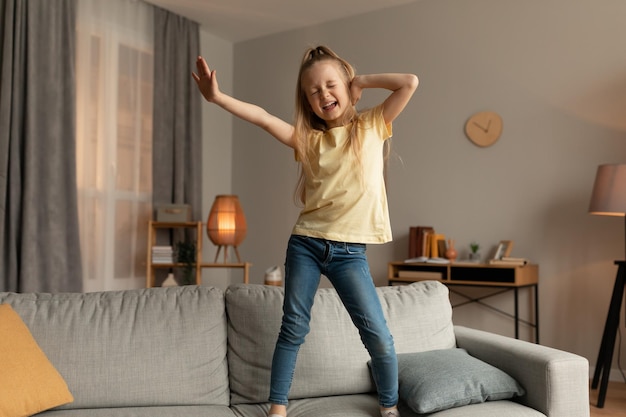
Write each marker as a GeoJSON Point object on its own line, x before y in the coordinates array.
{"type": "Point", "coordinates": [609, 199]}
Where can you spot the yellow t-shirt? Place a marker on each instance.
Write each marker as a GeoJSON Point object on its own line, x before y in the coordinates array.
{"type": "Point", "coordinates": [346, 200]}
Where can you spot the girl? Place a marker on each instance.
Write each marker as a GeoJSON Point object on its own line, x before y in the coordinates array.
{"type": "Point", "coordinates": [342, 190]}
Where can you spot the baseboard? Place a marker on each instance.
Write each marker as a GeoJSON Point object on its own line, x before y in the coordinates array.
{"type": "Point", "coordinates": [614, 375]}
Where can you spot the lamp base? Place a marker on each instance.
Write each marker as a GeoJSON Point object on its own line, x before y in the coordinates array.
{"type": "Point", "coordinates": [605, 356]}
{"type": "Point", "coordinates": [219, 248]}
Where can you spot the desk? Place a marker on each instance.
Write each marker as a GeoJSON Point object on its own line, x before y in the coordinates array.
{"type": "Point", "coordinates": [502, 278]}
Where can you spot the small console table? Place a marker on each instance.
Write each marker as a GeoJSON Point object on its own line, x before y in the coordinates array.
{"type": "Point", "coordinates": [503, 278]}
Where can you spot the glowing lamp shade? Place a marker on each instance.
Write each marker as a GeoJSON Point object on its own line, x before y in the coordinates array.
{"type": "Point", "coordinates": [226, 225]}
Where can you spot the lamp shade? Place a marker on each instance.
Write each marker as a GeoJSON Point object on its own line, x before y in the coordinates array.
{"type": "Point", "coordinates": [609, 191]}
{"type": "Point", "coordinates": [226, 225]}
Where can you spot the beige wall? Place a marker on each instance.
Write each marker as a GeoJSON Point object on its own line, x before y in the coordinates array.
{"type": "Point", "coordinates": [554, 70]}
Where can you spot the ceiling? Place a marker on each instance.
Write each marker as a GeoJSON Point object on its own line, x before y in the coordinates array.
{"type": "Point", "coordinates": [239, 20]}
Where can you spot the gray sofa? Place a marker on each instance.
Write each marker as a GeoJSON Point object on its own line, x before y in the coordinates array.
{"type": "Point", "coordinates": [198, 351]}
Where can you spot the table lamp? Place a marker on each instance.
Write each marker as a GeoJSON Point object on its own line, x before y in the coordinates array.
{"type": "Point", "coordinates": [609, 199]}
{"type": "Point", "coordinates": [226, 225]}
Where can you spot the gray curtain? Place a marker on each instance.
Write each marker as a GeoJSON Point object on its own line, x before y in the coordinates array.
{"type": "Point", "coordinates": [39, 240]}
{"type": "Point", "coordinates": [177, 137]}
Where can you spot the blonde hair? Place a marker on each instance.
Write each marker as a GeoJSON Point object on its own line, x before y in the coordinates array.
{"type": "Point", "coordinates": [306, 120]}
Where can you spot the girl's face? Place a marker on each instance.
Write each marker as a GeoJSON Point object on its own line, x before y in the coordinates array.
{"type": "Point", "coordinates": [326, 89]}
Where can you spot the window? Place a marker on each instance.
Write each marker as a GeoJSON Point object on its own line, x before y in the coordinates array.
{"type": "Point", "coordinates": [114, 145]}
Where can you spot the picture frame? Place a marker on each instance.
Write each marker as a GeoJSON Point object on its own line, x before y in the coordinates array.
{"type": "Point", "coordinates": [503, 249]}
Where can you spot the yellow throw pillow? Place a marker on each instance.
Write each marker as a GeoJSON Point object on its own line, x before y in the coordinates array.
{"type": "Point", "coordinates": [29, 383]}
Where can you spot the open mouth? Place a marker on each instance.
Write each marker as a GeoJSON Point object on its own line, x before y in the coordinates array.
{"type": "Point", "coordinates": [329, 106]}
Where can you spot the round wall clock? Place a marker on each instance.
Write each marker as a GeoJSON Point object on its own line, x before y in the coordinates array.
{"type": "Point", "coordinates": [484, 128]}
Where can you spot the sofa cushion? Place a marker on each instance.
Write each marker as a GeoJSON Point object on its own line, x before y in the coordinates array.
{"type": "Point", "coordinates": [366, 405]}
{"type": "Point", "coordinates": [503, 408]}
{"type": "Point", "coordinates": [357, 405]}
{"type": "Point", "coordinates": [29, 383]}
{"type": "Point", "coordinates": [333, 360]}
{"type": "Point", "coordinates": [163, 411]}
{"type": "Point", "coordinates": [441, 379]}
{"type": "Point", "coordinates": [150, 347]}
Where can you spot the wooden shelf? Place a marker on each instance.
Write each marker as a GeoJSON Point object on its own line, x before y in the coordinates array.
{"type": "Point", "coordinates": [225, 265]}
{"type": "Point", "coordinates": [171, 225]}
{"type": "Point", "coordinates": [465, 274]}
{"type": "Point", "coordinates": [151, 267]}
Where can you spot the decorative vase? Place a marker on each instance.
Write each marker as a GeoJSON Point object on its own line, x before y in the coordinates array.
{"type": "Point", "coordinates": [451, 252]}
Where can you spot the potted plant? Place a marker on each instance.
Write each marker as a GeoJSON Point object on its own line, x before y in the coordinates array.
{"type": "Point", "coordinates": [186, 255]}
{"type": "Point", "coordinates": [474, 252]}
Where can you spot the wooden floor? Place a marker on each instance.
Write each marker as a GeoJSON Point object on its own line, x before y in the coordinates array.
{"type": "Point", "coordinates": [614, 404]}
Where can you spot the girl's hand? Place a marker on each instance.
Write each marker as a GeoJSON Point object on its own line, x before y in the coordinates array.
{"type": "Point", "coordinates": [402, 87]}
{"type": "Point", "coordinates": [206, 80]}
{"type": "Point", "coordinates": [355, 89]}
{"type": "Point", "coordinates": [207, 83]}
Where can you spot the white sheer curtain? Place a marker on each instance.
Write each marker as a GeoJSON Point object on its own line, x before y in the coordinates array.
{"type": "Point", "coordinates": [114, 72]}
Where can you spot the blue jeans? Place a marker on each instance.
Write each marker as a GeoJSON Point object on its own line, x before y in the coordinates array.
{"type": "Point", "coordinates": [345, 265]}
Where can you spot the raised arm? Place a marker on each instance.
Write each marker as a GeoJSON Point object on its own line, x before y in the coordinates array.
{"type": "Point", "coordinates": [207, 83]}
{"type": "Point", "coordinates": [402, 87]}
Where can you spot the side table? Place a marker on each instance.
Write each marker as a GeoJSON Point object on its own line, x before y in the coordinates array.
{"type": "Point", "coordinates": [503, 278]}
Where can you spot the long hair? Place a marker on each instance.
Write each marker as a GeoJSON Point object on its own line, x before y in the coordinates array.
{"type": "Point", "coordinates": [307, 121]}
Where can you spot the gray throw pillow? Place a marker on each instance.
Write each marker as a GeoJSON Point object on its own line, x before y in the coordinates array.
{"type": "Point", "coordinates": [440, 379]}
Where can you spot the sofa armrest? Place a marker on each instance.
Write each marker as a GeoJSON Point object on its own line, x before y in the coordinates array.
{"type": "Point", "coordinates": [556, 382]}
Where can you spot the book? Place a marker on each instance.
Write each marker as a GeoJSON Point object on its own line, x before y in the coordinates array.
{"type": "Point", "coordinates": [442, 246]}
{"type": "Point", "coordinates": [436, 246]}
{"type": "Point", "coordinates": [505, 260]}
{"type": "Point", "coordinates": [426, 239]}
{"type": "Point", "coordinates": [163, 255]}
{"type": "Point", "coordinates": [512, 259]}
{"type": "Point", "coordinates": [417, 241]}
{"type": "Point", "coordinates": [442, 261]}
{"type": "Point", "coordinates": [427, 260]}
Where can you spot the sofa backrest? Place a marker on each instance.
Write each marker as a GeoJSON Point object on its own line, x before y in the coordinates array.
{"type": "Point", "coordinates": [333, 360]}
{"type": "Point", "coordinates": [161, 346]}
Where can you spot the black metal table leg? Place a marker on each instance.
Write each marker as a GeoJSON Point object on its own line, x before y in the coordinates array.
{"type": "Point", "coordinates": [516, 313]}
{"type": "Point", "coordinates": [536, 313]}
